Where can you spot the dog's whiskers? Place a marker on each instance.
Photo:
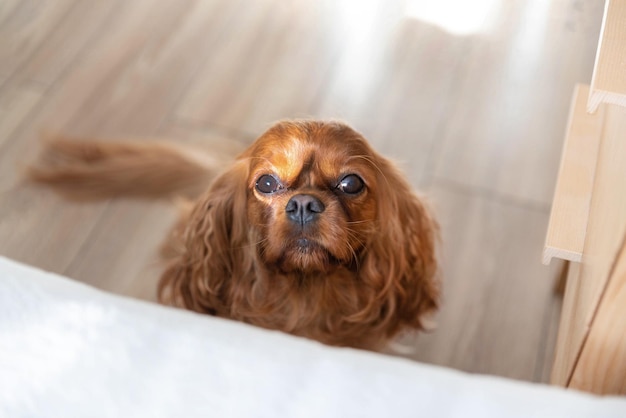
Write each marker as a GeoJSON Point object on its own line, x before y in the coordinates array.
{"type": "Point", "coordinates": [359, 222]}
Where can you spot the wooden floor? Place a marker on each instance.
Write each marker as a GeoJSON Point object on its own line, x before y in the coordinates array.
{"type": "Point", "coordinates": [475, 118]}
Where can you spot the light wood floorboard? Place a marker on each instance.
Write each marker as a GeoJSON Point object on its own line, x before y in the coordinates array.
{"type": "Point", "coordinates": [502, 132]}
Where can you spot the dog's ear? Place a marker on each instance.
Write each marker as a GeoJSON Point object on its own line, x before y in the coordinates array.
{"type": "Point", "coordinates": [401, 259]}
{"type": "Point", "coordinates": [214, 251]}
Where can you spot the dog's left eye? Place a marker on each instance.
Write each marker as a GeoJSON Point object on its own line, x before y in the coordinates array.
{"type": "Point", "coordinates": [268, 184]}
{"type": "Point", "coordinates": [351, 184]}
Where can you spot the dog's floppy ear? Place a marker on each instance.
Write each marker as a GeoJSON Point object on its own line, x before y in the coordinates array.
{"type": "Point", "coordinates": [403, 254]}
{"type": "Point", "coordinates": [214, 251]}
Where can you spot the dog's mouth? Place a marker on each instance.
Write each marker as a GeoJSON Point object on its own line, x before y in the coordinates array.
{"type": "Point", "coordinates": [306, 245]}
{"type": "Point", "coordinates": [307, 255]}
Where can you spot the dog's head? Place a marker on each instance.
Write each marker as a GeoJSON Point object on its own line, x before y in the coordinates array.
{"type": "Point", "coordinates": [313, 191]}
{"type": "Point", "coordinates": [310, 201]}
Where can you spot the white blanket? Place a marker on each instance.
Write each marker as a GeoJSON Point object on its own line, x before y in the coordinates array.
{"type": "Point", "coordinates": [68, 350]}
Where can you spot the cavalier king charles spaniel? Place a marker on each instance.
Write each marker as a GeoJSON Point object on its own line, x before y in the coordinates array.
{"type": "Point", "coordinates": [310, 231]}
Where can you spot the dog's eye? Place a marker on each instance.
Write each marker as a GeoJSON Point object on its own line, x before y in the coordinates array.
{"type": "Point", "coordinates": [268, 184]}
{"type": "Point", "coordinates": [351, 184]}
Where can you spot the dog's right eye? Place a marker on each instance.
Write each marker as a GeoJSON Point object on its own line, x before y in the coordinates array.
{"type": "Point", "coordinates": [268, 184]}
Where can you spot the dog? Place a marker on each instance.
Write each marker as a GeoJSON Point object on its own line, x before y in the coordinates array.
{"type": "Point", "coordinates": [309, 231]}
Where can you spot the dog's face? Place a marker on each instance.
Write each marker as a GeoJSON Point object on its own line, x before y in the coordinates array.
{"type": "Point", "coordinates": [312, 197]}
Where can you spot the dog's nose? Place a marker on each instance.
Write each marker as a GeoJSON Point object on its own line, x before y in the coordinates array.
{"type": "Point", "coordinates": [303, 208]}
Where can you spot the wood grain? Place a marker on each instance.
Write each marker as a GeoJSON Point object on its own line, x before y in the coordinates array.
{"type": "Point", "coordinates": [28, 27]}
{"type": "Point", "coordinates": [602, 365]}
{"type": "Point", "coordinates": [402, 103]}
{"type": "Point", "coordinates": [502, 284]}
{"type": "Point", "coordinates": [608, 84]}
{"type": "Point", "coordinates": [510, 100]}
{"type": "Point", "coordinates": [62, 45]}
{"type": "Point", "coordinates": [16, 104]}
{"type": "Point", "coordinates": [572, 196]}
{"type": "Point", "coordinates": [605, 232]}
{"type": "Point", "coordinates": [279, 43]}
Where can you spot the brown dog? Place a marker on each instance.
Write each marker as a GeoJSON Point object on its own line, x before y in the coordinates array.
{"type": "Point", "coordinates": [310, 231]}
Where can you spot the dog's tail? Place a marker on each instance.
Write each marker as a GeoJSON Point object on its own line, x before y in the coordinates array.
{"type": "Point", "coordinates": [88, 170]}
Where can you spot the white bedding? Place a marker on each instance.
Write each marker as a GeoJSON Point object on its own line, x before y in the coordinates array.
{"type": "Point", "coordinates": [68, 350]}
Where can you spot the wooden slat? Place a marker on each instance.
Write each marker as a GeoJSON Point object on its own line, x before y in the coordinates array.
{"type": "Point", "coordinates": [572, 197]}
{"type": "Point", "coordinates": [605, 231]}
{"type": "Point", "coordinates": [608, 84]}
{"type": "Point", "coordinates": [602, 365]}
{"type": "Point", "coordinates": [592, 337]}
